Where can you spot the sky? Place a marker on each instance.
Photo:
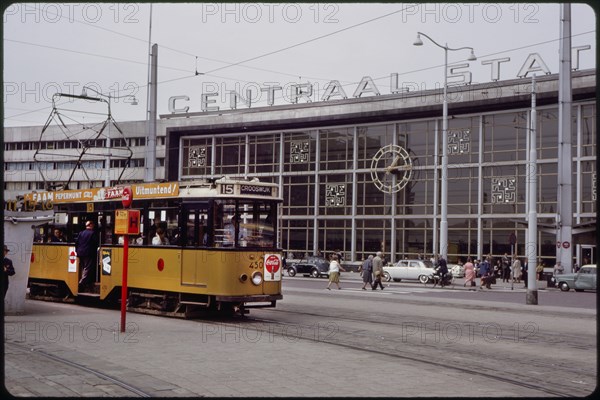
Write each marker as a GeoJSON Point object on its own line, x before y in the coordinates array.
{"type": "Point", "coordinates": [215, 47]}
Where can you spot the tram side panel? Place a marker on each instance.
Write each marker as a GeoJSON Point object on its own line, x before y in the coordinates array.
{"type": "Point", "coordinates": [147, 268]}
{"type": "Point", "coordinates": [53, 264]}
{"type": "Point", "coordinates": [207, 272]}
{"type": "Point", "coordinates": [225, 273]}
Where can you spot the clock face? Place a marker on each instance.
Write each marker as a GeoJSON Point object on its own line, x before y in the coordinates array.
{"type": "Point", "coordinates": [391, 168]}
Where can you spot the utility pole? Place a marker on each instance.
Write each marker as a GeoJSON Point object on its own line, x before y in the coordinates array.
{"type": "Point", "coordinates": [564, 216]}
{"type": "Point", "coordinates": [532, 231]}
{"type": "Point", "coordinates": [150, 162]}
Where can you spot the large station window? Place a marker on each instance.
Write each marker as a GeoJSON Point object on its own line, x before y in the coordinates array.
{"type": "Point", "coordinates": [413, 237]}
{"type": "Point", "coordinates": [370, 140]}
{"type": "Point", "coordinates": [505, 137]}
{"type": "Point", "coordinates": [196, 157]}
{"type": "Point", "coordinates": [335, 195]}
{"type": "Point", "coordinates": [230, 157]}
{"type": "Point", "coordinates": [298, 194]}
{"type": "Point", "coordinates": [588, 131]}
{"type": "Point", "coordinates": [337, 152]}
{"type": "Point", "coordinates": [299, 151]}
{"type": "Point", "coordinates": [419, 141]}
{"type": "Point", "coordinates": [335, 236]}
{"type": "Point", "coordinates": [264, 153]}
{"type": "Point", "coordinates": [297, 237]}
{"type": "Point", "coordinates": [369, 199]}
{"type": "Point", "coordinates": [373, 235]}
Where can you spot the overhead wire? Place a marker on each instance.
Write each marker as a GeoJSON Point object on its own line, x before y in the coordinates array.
{"type": "Point", "coordinates": [239, 63]}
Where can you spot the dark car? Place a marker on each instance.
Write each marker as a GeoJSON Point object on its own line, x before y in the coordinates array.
{"type": "Point", "coordinates": [314, 266]}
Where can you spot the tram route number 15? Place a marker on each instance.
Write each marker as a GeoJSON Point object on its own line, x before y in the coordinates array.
{"type": "Point", "coordinates": [127, 222]}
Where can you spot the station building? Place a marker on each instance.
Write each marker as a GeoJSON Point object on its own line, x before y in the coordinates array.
{"type": "Point", "coordinates": [361, 175]}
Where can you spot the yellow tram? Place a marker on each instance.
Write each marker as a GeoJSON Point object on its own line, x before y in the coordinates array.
{"type": "Point", "coordinates": [219, 250]}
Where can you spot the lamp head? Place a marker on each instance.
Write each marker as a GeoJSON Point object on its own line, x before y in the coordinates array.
{"type": "Point", "coordinates": [134, 101]}
{"type": "Point", "coordinates": [84, 92]}
{"type": "Point", "coordinates": [472, 56]}
{"type": "Point", "coordinates": [418, 41]}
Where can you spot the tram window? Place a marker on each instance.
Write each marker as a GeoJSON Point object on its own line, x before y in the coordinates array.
{"type": "Point", "coordinates": [256, 224]}
{"type": "Point", "coordinates": [226, 223]}
{"type": "Point", "coordinates": [107, 228]}
{"type": "Point", "coordinates": [197, 226]}
{"type": "Point", "coordinates": [244, 223]}
{"type": "Point", "coordinates": [166, 219]}
{"type": "Point", "coordinates": [40, 233]}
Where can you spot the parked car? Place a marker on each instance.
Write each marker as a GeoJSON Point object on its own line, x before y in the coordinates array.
{"type": "Point", "coordinates": [458, 271]}
{"type": "Point", "coordinates": [314, 266]}
{"type": "Point", "coordinates": [584, 279]}
{"type": "Point", "coordinates": [418, 270]}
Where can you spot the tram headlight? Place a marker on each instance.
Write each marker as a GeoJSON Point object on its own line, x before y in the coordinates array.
{"type": "Point", "coordinates": [243, 278]}
{"type": "Point", "coordinates": [257, 278]}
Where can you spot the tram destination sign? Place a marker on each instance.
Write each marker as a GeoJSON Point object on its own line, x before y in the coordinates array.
{"type": "Point", "coordinates": [246, 189]}
{"type": "Point", "coordinates": [256, 190]}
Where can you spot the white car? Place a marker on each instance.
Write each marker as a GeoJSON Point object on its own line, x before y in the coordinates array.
{"type": "Point", "coordinates": [458, 271]}
{"type": "Point", "coordinates": [417, 270]}
{"type": "Point", "coordinates": [584, 279]}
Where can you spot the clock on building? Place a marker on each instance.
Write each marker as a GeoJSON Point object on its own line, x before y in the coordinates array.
{"type": "Point", "coordinates": [391, 168]}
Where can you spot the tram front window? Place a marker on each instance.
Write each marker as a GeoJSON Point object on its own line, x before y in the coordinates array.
{"type": "Point", "coordinates": [245, 224]}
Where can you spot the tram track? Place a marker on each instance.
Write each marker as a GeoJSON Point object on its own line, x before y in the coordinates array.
{"type": "Point", "coordinates": [130, 389]}
{"type": "Point", "coordinates": [473, 360]}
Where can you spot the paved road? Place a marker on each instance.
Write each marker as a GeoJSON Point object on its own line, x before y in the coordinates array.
{"type": "Point", "coordinates": [504, 292]}
{"type": "Point", "coordinates": [315, 343]}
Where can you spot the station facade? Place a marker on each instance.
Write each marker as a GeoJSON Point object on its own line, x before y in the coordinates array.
{"type": "Point", "coordinates": [363, 175]}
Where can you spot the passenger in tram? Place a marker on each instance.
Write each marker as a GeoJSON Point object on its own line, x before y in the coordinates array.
{"type": "Point", "coordinates": [137, 240]}
{"type": "Point", "coordinates": [57, 236]}
{"type": "Point", "coordinates": [230, 228]}
{"type": "Point", "coordinates": [160, 238]}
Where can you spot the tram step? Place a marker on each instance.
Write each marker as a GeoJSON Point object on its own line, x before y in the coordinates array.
{"type": "Point", "coordinates": [149, 295]}
{"type": "Point", "coordinates": [195, 303]}
{"type": "Point", "coordinates": [86, 294]}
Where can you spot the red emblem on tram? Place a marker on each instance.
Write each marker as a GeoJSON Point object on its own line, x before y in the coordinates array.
{"type": "Point", "coordinates": [272, 263]}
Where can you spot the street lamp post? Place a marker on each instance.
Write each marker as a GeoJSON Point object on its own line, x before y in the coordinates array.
{"type": "Point", "coordinates": [108, 143]}
{"type": "Point", "coordinates": [443, 248]}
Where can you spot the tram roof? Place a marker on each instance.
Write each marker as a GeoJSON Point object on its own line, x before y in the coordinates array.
{"type": "Point", "coordinates": [214, 188]}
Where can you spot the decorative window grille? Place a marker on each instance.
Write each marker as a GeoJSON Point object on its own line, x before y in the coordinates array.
{"type": "Point", "coordinates": [504, 190]}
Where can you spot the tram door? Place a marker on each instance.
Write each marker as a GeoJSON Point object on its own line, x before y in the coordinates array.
{"type": "Point", "coordinates": [586, 254]}
{"type": "Point", "coordinates": [196, 232]}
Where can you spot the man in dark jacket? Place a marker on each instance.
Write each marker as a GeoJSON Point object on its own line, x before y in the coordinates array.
{"type": "Point", "coordinates": [87, 251]}
{"type": "Point", "coordinates": [485, 270]}
{"type": "Point", "coordinates": [7, 271]}
{"type": "Point", "coordinates": [442, 268]}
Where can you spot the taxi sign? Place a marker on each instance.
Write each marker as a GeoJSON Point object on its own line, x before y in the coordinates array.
{"type": "Point", "coordinates": [127, 222]}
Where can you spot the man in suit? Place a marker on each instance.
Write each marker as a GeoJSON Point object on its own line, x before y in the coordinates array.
{"type": "Point", "coordinates": [87, 251]}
